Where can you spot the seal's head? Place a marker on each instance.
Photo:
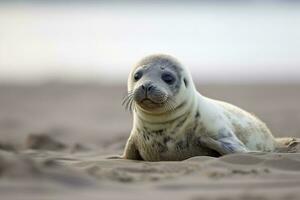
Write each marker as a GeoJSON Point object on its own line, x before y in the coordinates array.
{"type": "Point", "coordinates": [157, 84]}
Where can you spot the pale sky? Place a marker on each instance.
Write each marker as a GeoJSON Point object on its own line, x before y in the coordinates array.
{"type": "Point", "coordinates": [243, 42]}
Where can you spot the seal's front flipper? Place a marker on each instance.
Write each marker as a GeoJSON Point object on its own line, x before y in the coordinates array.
{"type": "Point", "coordinates": [131, 152]}
{"type": "Point", "coordinates": [225, 145]}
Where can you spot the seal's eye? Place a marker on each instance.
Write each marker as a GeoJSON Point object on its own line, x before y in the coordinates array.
{"type": "Point", "coordinates": [168, 78]}
{"type": "Point", "coordinates": [138, 75]}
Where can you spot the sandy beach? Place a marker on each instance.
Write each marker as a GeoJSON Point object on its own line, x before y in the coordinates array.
{"type": "Point", "coordinates": [56, 137]}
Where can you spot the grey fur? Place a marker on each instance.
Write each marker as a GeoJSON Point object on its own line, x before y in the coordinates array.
{"type": "Point", "coordinates": [160, 64]}
{"type": "Point", "coordinates": [182, 123]}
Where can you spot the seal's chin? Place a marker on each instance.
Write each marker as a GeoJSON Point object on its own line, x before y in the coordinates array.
{"type": "Point", "coordinates": [149, 104]}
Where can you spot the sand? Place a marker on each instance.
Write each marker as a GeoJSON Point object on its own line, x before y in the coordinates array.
{"type": "Point", "coordinates": [55, 140]}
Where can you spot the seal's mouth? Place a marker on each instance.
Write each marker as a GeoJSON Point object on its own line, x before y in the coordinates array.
{"type": "Point", "coordinates": [148, 103]}
{"type": "Point", "coordinates": [148, 100]}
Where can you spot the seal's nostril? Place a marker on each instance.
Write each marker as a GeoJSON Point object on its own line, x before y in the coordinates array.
{"type": "Point", "coordinates": [150, 87]}
{"type": "Point", "coordinates": [147, 87]}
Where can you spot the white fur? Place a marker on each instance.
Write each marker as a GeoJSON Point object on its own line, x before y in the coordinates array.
{"type": "Point", "coordinates": [245, 131]}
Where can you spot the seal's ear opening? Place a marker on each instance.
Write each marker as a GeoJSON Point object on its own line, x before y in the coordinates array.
{"type": "Point", "coordinates": [185, 82]}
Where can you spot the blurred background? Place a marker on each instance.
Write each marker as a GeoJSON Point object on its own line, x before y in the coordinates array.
{"type": "Point", "coordinates": [220, 41]}
{"type": "Point", "coordinates": [63, 73]}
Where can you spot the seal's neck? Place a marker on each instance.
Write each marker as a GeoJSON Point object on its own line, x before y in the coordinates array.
{"type": "Point", "coordinates": [186, 107]}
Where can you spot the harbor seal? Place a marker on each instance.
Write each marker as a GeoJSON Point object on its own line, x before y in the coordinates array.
{"type": "Point", "coordinates": [172, 121]}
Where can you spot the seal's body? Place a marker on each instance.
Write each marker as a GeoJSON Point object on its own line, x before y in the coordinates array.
{"type": "Point", "coordinates": [172, 121]}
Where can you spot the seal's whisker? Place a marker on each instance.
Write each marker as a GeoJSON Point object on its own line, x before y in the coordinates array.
{"type": "Point", "coordinates": [167, 105]}
{"type": "Point", "coordinates": [132, 105]}
{"type": "Point", "coordinates": [127, 100]}
{"type": "Point", "coordinates": [170, 103]}
{"type": "Point", "coordinates": [124, 100]}
{"type": "Point", "coordinates": [128, 104]}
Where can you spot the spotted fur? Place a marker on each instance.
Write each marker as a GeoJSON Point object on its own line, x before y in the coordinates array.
{"type": "Point", "coordinates": [195, 126]}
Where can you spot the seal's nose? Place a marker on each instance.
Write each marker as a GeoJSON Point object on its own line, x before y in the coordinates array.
{"type": "Point", "coordinates": [147, 87]}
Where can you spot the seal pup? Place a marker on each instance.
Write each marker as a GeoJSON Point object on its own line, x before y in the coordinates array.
{"type": "Point", "coordinates": [172, 121]}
